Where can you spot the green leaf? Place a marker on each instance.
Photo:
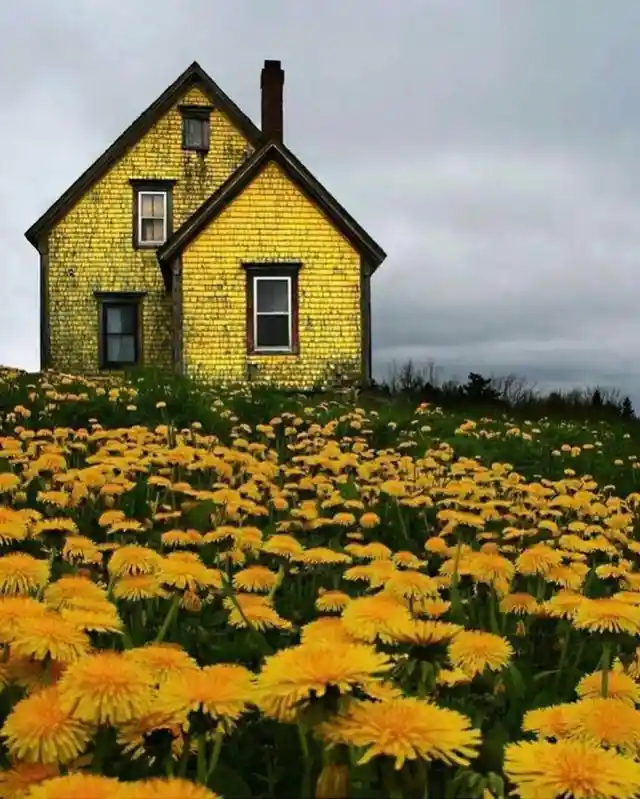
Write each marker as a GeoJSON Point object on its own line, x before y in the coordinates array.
{"type": "Point", "coordinates": [229, 783]}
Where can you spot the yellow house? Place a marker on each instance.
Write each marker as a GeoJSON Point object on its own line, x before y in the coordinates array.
{"type": "Point", "coordinates": [199, 243]}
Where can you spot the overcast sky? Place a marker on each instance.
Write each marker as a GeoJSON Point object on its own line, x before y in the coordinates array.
{"type": "Point", "coordinates": [491, 147]}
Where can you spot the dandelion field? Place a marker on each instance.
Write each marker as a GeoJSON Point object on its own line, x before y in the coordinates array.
{"type": "Point", "coordinates": [240, 595]}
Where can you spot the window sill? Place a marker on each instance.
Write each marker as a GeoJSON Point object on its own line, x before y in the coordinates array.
{"type": "Point", "coordinates": [267, 353]}
{"type": "Point", "coordinates": [199, 150]}
{"type": "Point", "coordinates": [147, 245]}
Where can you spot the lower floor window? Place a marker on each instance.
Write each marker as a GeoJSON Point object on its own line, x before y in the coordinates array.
{"type": "Point", "coordinates": [119, 330]}
{"type": "Point", "coordinates": [272, 308]}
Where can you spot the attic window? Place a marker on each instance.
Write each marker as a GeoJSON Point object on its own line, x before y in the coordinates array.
{"type": "Point", "coordinates": [152, 211]}
{"type": "Point", "coordinates": [195, 128]}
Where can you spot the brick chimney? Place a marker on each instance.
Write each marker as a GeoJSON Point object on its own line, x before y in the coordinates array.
{"type": "Point", "coordinates": [271, 84]}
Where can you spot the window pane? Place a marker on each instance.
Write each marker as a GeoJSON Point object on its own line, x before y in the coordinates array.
{"type": "Point", "coordinates": [272, 296]}
{"type": "Point", "coordinates": [121, 349]}
{"type": "Point", "coordinates": [158, 206]}
{"type": "Point", "coordinates": [273, 331]}
{"type": "Point", "coordinates": [152, 230]}
{"type": "Point", "coordinates": [195, 133]}
{"type": "Point", "coordinates": [151, 205]}
{"type": "Point", "coordinates": [146, 204]}
{"type": "Point", "coordinates": [121, 319]}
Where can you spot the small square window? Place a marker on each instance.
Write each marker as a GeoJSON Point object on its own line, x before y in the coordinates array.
{"type": "Point", "coordinates": [195, 128]}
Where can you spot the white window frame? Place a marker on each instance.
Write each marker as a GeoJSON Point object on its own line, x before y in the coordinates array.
{"type": "Point", "coordinates": [256, 313]}
{"type": "Point", "coordinates": [145, 193]}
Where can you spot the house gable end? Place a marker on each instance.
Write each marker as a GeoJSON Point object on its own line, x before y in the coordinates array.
{"type": "Point", "coordinates": [277, 153]}
{"type": "Point", "coordinates": [194, 76]}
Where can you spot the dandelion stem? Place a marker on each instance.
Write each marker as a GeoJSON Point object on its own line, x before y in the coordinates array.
{"type": "Point", "coordinates": [215, 754]}
{"type": "Point", "coordinates": [606, 665]}
{"type": "Point", "coordinates": [202, 759]}
{"type": "Point", "coordinates": [171, 614]}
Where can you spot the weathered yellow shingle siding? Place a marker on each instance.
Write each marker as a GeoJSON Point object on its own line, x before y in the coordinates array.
{"type": "Point", "coordinates": [91, 248]}
{"type": "Point", "coordinates": [271, 221]}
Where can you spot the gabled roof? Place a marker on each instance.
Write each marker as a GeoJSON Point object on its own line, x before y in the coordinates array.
{"type": "Point", "coordinates": [192, 76]}
{"type": "Point", "coordinates": [270, 152]}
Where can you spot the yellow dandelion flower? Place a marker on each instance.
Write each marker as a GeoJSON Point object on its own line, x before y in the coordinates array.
{"type": "Point", "coordinates": [73, 590]}
{"type": "Point", "coordinates": [16, 782]}
{"type": "Point", "coordinates": [321, 556]}
{"type": "Point", "coordinates": [405, 729]}
{"type": "Point", "coordinates": [163, 660]}
{"type": "Point", "coordinates": [133, 559]}
{"type": "Point", "coordinates": [554, 721]}
{"type": "Point", "coordinates": [255, 578]}
{"type": "Point", "coordinates": [38, 730]}
{"type": "Point", "coordinates": [448, 678]}
{"type": "Point", "coordinates": [80, 549]}
{"type": "Point", "coordinates": [138, 587]}
{"type": "Point", "coordinates": [22, 574]}
{"type": "Point", "coordinates": [256, 610]}
{"type": "Point", "coordinates": [621, 686]}
{"type": "Point", "coordinates": [563, 605]}
{"type": "Point", "coordinates": [14, 610]}
{"type": "Point", "coordinates": [368, 618]}
{"type": "Point", "coordinates": [538, 559]}
{"type": "Point", "coordinates": [300, 673]}
{"type": "Point", "coordinates": [285, 546]}
{"type": "Point", "coordinates": [412, 585]}
{"type": "Point", "coordinates": [332, 601]}
{"type": "Point", "coordinates": [521, 604]}
{"type": "Point", "coordinates": [49, 636]}
{"type": "Point", "coordinates": [106, 688]}
{"type": "Point", "coordinates": [607, 722]}
{"type": "Point", "coordinates": [570, 769]}
{"type": "Point", "coordinates": [474, 651]}
{"type": "Point", "coordinates": [222, 691]}
{"type": "Point", "coordinates": [423, 633]}
{"type": "Point", "coordinates": [328, 629]}
{"type": "Point", "coordinates": [182, 572]}
{"type": "Point", "coordinates": [87, 786]}
{"type": "Point", "coordinates": [607, 615]}
{"type": "Point", "coordinates": [103, 619]}
{"type": "Point", "coordinates": [165, 788]}
{"type": "Point", "coordinates": [431, 607]}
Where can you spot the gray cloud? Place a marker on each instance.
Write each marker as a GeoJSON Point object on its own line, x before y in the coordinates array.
{"type": "Point", "coordinates": [490, 147]}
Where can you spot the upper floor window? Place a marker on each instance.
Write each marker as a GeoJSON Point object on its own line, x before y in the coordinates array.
{"type": "Point", "coordinates": [152, 217]}
{"type": "Point", "coordinates": [195, 127]}
{"type": "Point", "coordinates": [272, 308]}
{"type": "Point", "coordinates": [152, 210]}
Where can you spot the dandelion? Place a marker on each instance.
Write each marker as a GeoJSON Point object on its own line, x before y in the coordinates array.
{"type": "Point", "coordinates": [521, 604]}
{"type": "Point", "coordinates": [133, 559]}
{"type": "Point", "coordinates": [106, 688]}
{"type": "Point", "coordinates": [300, 673]}
{"type": "Point", "coordinates": [423, 633]}
{"type": "Point", "coordinates": [138, 587]}
{"type": "Point", "coordinates": [221, 691]}
{"type": "Point", "coordinates": [331, 601]}
{"type": "Point", "coordinates": [328, 629]}
{"type": "Point", "coordinates": [87, 786]}
{"type": "Point", "coordinates": [404, 729]}
{"type": "Point", "coordinates": [368, 618]}
{"type": "Point", "coordinates": [256, 611]}
{"type": "Point", "coordinates": [165, 788]}
{"type": "Point", "coordinates": [474, 651]}
{"type": "Point", "coordinates": [16, 782]}
{"type": "Point", "coordinates": [163, 660]}
{"type": "Point", "coordinates": [49, 636]}
{"type": "Point", "coordinates": [555, 721]}
{"type": "Point", "coordinates": [22, 574]}
{"type": "Point", "coordinates": [620, 686]}
{"type": "Point", "coordinates": [38, 730]}
{"type": "Point", "coordinates": [607, 615]}
{"type": "Point", "coordinates": [570, 769]}
{"type": "Point", "coordinates": [255, 578]}
{"type": "Point", "coordinates": [606, 722]}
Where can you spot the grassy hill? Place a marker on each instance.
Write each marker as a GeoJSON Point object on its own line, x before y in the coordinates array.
{"type": "Point", "coordinates": [334, 595]}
